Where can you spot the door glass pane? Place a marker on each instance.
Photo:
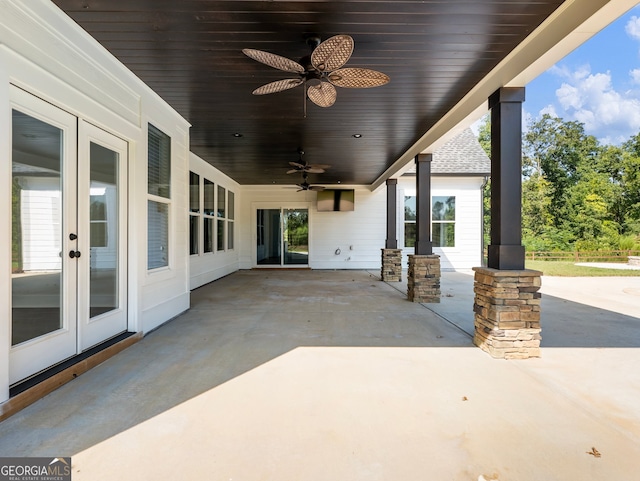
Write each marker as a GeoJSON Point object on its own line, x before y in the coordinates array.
{"type": "Point", "coordinates": [269, 237]}
{"type": "Point", "coordinates": [296, 236]}
{"type": "Point", "coordinates": [36, 228]}
{"type": "Point", "coordinates": [103, 240]}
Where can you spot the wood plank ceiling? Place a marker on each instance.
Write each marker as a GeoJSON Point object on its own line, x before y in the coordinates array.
{"type": "Point", "coordinates": [190, 53]}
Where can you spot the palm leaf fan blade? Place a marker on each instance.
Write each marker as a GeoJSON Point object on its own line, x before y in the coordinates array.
{"type": "Point", "coordinates": [358, 78]}
{"type": "Point", "coordinates": [277, 86]}
{"type": "Point", "coordinates": [323, 95]}
{"type": "Point", "coordinates": [333, 53]}
{"type": "Point", "coordinates": [273, 60]}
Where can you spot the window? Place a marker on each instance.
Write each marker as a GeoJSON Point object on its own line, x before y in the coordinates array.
{"type": "Point", "coordinates": [222, 197]}
{"type": "Point", "coordinates": [220, 244]}
{"type": "Point", "coordinates": [212, 209]}
{"type": "Point", "coordinates": [194, 213]}
{"type": "Point", "coordinates": [221, 201]}
{"type": "Point", "coordinates": [231, 217]}
{"type": "Point", "coordinates": [159, 198]}
{"type": "Point", "coordinates": [159, 180]}
{"type": "Point", "coordinates": [443, 216]}
{"type": "Point", "coordinates": [158, 241]}
{"type": "Point", "coordinates": [209, 213]}
{"type": "Point", "coordinates": [194, 193]}
{"type": "Point", "coordinates": [410, 221]}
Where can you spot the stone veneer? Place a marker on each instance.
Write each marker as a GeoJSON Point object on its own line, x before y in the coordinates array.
{"type": "Point", "coordinates": [507, 312]}
{"type": "Point", "coordinates": [391, 265]}
{"type": "Point", "coordinates": [423, 278]}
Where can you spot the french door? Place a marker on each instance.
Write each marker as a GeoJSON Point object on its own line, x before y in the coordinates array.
{"type": "Point", "coordinates": [68, 235]}
{"type": "Point", "coordinates": [282, 237]}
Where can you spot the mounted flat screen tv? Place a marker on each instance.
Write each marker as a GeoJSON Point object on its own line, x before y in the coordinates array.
{"type": "Point", "coordinates": [333, 200]}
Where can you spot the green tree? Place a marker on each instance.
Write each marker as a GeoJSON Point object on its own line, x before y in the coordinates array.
{"type": "Point", "coordinates": [630, 181]}
{"type": "Point", "coordinates": [484, 134]}
{"type": "Point", "coordinates": [576, 193]}
{"type": "Point", "coordinates": [557, 150]}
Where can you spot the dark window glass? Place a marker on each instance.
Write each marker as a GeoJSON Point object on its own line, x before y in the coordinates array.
{"type": "Point", "coordinates": [209, 205]}
{"type": "Point", "coordinates": [194, 192]}
{"type": "Point", "coordinates": [193, 234]}
{"type": "Point", "coordinates": [159, 163]}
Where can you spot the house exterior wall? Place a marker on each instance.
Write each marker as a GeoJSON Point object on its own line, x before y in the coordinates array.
{"type": "Point", "coordinates": [43, 52]}
{"type": "Point", "coordinates": [357, 235]}
{"type": "Point", "coordinates": [467, 252]}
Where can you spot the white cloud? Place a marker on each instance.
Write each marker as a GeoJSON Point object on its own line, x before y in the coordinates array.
{"type": "Point", "coordinates": [635, 75]}
{"type": "Point", "coordinates": [591, 98]}
{"type": "Point", "coordinates": [549, 109]}
{"type": "Point", "coordinates": [633, 28]}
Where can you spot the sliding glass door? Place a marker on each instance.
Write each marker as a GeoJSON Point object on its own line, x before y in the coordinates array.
{"type": "Point", "coordinates": [282, 237]}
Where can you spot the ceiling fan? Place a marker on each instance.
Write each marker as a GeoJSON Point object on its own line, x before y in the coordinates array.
{"type": "Point", "coordinates": [306, 167]}
{"type": "Point", "coordinates": [306, 186]}
{"type": "Point", "coordinates": [322, 70]}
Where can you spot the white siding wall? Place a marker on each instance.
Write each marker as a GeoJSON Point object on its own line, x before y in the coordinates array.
{"type": "Point", "coordinates": [468, 230]}
{"type": "Point", "coordinates": [45, 53]}
{"type": "Point", "coordinates": [359, 235]}
{"type": "Point", "coordinates": [207, 267]}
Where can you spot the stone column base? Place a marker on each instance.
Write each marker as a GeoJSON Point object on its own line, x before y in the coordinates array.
{"type": "Point", "coordinates": [507, 312]}
{"type": "Point", "coordinates": [423, 278]}
{"type": "Point", "coordinates": [391, 265]}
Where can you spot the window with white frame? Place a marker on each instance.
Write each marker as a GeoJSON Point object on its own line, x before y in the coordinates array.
{"type": "Point", "coordinates": [159, 198]}
{"type": "Point", "coordinates": [443, 218]}
{"type": "Point", "coordinates": [194, 213]}
{"type": "Point", "coordinates": [230, 219]}
{"type": "Point", "coordinates": [222, 213]}
{"type": "Point", "coordinates": [443, 221]}
{"type": "Point", "coordinates": [410, 221]}
{"type": "Point", "coordinates": [213, 212]}
{"type": "Point", "coordinates": [209, 215]}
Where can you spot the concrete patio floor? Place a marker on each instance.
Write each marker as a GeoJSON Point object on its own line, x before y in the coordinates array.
{"type": "Point", "coordinates": [323, 375]}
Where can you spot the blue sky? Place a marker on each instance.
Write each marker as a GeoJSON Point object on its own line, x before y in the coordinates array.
{"type": "Point", "coordinates": [597, 84]}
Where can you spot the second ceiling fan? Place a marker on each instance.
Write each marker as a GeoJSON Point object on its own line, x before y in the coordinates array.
{"type": "Point", "coordinates": [322, 70]}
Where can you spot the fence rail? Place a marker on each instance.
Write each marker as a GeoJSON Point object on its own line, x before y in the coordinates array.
{"type": "Point", "coordinates": [583, 256]}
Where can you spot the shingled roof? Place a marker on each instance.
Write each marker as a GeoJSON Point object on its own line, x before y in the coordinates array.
{"type": "Point", "coordinates": [462, 155]}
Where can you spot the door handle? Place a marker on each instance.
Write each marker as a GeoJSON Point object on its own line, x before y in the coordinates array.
{"type": "Point", "coordinates": [73, 254]}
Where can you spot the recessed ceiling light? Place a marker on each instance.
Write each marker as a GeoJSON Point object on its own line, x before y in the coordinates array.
{"type": "Point", "coordinates": [356, 136]}
{"type": "Point", "coordinates": [237, 134]}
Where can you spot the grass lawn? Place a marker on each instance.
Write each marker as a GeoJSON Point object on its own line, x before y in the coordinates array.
{"type": "Point", "coordinates": [569, 269]}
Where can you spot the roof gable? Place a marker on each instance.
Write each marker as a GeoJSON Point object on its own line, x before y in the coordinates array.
{"type": "Point", "coordinates": [462, 155]}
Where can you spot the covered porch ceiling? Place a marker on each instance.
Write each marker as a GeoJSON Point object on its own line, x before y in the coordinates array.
{"type": "Point", "coordinates": [444, 58]}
